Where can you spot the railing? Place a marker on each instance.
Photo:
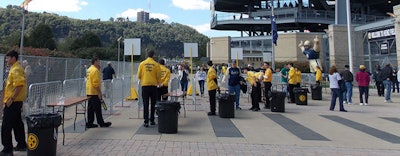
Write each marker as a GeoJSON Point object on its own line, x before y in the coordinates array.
{"type": "Point", "coordinates": [42, 94]}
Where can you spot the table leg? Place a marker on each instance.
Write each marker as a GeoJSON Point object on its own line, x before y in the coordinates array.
{"type": "Point", "coordinates": [63, 125]}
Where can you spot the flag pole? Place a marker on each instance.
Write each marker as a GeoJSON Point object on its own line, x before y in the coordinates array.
{"type": "Point", "coordinates": [272, 36]}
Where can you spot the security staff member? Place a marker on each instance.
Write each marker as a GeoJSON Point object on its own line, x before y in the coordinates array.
{"type": "Point", "coordinates": [318, 76]}
{"type": "Point", "coordinates": [255, 88]}
{"type": "Point", "coordinates": [292, 82]}
{"type": "Point", "coordinates": [149, 73]}
{"type": "Point", "coordinates": [267, 83]}
{"type": "Point", "coordinates": [165, 76]}
{"type": "Point", "coordinates": [14, 95]}
{"type": "Point", "coordinates": [93, 91]}
{"type": "Point", "coordinates": [212, 87]}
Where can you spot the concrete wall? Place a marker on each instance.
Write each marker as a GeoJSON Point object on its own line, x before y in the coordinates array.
{"type": "Point", "coordinates": [220, 50]}
{"type": "Point", "coordinates": [338, 46]}
{"type": "Point", "coordinates": [396, 11]}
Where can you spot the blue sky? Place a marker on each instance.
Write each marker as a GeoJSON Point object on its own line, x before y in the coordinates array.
{"type": "Point", "coordinates": [194, 13]}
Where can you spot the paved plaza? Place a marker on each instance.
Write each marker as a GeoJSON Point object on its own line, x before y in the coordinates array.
{"type": "Point", "coordinates": [300, 130]}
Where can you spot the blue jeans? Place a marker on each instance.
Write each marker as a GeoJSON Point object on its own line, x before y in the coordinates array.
{"type": "Point", "coordinates": [388, 86]}
{"type": "Point", "coordinates": [335, 94]}
{"type": "Point", "coordinates": [235, 89]}
{"type": "Point", "coordinates": [348, 93]}
{"type": "Point", "coordinates": [184, 85]}
{"type": "Point", "coordinates": [201, 84]}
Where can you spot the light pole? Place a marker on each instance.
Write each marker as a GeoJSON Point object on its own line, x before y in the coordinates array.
{"type": "Point", "coordinates": [21, 46]}
{"type": "Point", "coordinates": [119, 47]}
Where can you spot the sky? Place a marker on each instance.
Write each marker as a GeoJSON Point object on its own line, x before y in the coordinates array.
{"type": "Point", "coordinates": [194, 13]}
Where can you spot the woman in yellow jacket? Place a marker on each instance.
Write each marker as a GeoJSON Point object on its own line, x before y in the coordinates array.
{"type": "Point", "coordinates": [252, 78]}
{"type": "Point", "coordinates": [318, 76]}
{"type": "Point", "coordinates": [212, 87]}
{"type": "Point", "coordinates": [298, 77]}
{"type": "Point", "coordinates": [292, 80]}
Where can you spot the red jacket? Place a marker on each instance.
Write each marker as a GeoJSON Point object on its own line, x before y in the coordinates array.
{"type": "Point", "coordinates": [363, 78]}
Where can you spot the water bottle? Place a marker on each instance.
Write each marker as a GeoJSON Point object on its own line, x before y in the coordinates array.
{"type": "Point", "coordinates": [60, 100]}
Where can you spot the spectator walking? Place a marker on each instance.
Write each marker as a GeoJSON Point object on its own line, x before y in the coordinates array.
{"type": "Point", "coordinates": [149, 73]}
{"type": "Point", "coordinates": [14, 95]}
{"type": "Point", "coordinates": [233, 76]}
{"type": "Point", "coordinates": [348, 79]}
{"type": "Point", "coordinates": [108, 75]}
{"type": "Point", "coordinates": [93, 91]}
{"type": "Point", "coordinates": [377, 76]}
{"type": "Point", "coordinates": [201, 76]}
{"type": "Point", "coordinates": [395, 83]}
{"type": "Point", "coordinates": [212, 87]}
{"type": "Point", "coordinates": [183, 77]}
{"type": "Point", "coordinates": [363, 79]}
{"type": "Point", "coordinates": [334, 78]}
{"type": "Point", "coordinates": [165, 77]}
{"type": "Point", "coordinates": [284, 79]}
{"type": "Point", "coordinates": [387, 77]}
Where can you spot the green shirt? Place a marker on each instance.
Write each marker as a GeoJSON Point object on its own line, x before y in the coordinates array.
{"type": "Point", "coordinates": [284, 72]}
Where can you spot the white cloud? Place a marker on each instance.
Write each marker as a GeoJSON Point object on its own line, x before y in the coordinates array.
{"type": "Point", "coordinates": [191, 4]}
{"type": "Point", "coordinates": [202, 28]}
{"type": "Point", "coordinates": [57, 5]}
{"type": "Point", "coordinates": [132, 14]}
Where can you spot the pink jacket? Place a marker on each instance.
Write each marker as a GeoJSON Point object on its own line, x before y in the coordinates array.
{"type": "Point", "coordinates": [362, 78]}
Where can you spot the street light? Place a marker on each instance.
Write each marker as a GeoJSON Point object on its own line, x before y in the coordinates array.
{"type": "Point", "coordinates": [24, 11]}
{"type": "Point", "coordinates": [119, 45]}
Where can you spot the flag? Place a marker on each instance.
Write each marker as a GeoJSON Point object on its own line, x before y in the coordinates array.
{"type": "Point", "coordinates": [274, 30]}
{"type": "Point", "coordinates": [25, 3]}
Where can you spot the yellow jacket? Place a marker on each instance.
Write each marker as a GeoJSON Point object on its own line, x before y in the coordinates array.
{"type": "Point", "coordinates": [251, 77]}
{"type": "Point", "coordinates": [93, 81]}
{"type": "Point", "coordinates": [298, 76]}
{"type": "Point", "coordinates": [165, 75]}
{"type": "Point", "coordinates": [16, 77]}
{"type": "Point", "coordinates": [211, 78]}
{"type": "Point", "coordinates": [292, 76]}
{"type": "Point", "coordinates": [268, 75]}
{"type": "Point", "coordinates": [223, 70]}
{"type": "Point", "coordinates": [318, 75]}
{"type": "Point", "coordinates": [149, 72]}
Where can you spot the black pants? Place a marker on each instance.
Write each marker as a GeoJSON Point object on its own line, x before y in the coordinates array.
{"type": "Point", "coordinates": [380, 88]}
{"type": "Point", "coordinates": [363, 91]}
{"type": "Point", "coordinates": [212, 94]}
{"type": "Point", "coordinates": [395, 85]}
{"type": "Point", "coordinates": [12, 121]}
{"type": "Point", "coordinates": [161, 91]}
{"type": "Point", "coordinates": [267, 92]}
{"type": "Point", "coordinates": [291, 93]}
{"type": "Point", "coordinates": [149, 93]}
{"type": "Point", "coordinates": [255, 95]}
{"type": "Point", "coordinates": [94, 107]}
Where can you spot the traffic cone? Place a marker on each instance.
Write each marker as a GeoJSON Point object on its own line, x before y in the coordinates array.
{"type": "Point", "coordinates": [189, 92]}
{"type": "Point", "coordinates": [134, 95]}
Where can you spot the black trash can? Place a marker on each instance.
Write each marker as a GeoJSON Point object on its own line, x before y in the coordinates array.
{"type": "Point", "coordinates": [42, 134]}
{"type": "Point", "coordinates": [300, 95]}
{"type": "Point", "coordinates": [168, 112]}
{"type": "Point", "coordinates": [278, 101]}
{"type": "Point", "coordinates": [316, 92]}
{"type": "Point", "coordinates": [226, 105]}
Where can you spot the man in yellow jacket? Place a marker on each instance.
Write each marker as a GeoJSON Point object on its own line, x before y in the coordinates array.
{"type": "Point", "coordinates": [292, 80]}
{"type": "Point", "coordinates": [318, 76]}
{"type": "Point", "coordinates": [212, 87]}
{"type": "Point", "coordinates": [267, 79]}
{"type": "Point", "coordinates": [149, 73]}
{"type": "Point", "coordinates": [165, 76]}
{"type": "Point", "coordinates": [14, 96]}
{"type": "Point", "coordinates": [252, 78]}
{"type": "Point", "coordinates": [93, 91]}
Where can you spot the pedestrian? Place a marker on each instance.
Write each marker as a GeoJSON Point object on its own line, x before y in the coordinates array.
{"type": "Point", "coordinates": [363, 79]}
{"type": "Point", "coordinates": [212, 87]}
{"type": "Point", "coordinates": [267, 79]}
{"type": "Point", "coordinates": [298, 77]}
{"type": "Point", "coordinates": [318, 76]}
{"type": "Point", "coordinates": [93, 91]}
{"type": "Point", "coordinates": [165, 77]}
{"type": "Point", "coordinates": [395, 83]}
{"type": "Point", "coordinates": [387, 77]}
{"type": "Point", "coordinates": [14, 95]}
{"type": "Point", "coordinates": [284, 79]}
{"type": "Point", "coordinates": [377, 76]}
{"type": "Point", "coordinates": [292, 82]}
{"type": "Point", "coordinates": [149, 74]}
{"type": "Point", "coordinates": [334, 78]}
{"type": "Point", "coordinates": [183, 77]}
{"type": "Point", "coordinates": [255, 88]}
{"type": "Point", "coordinates": [201, 76]}
{"type": "Point", "coordinates": [348, 79]}
{"type": "Point", "coordinates": [233, 74]}
{"type": "Point", "coordinates": [108, 75]}
{"type": "Point", "coordinates": [28, 72]}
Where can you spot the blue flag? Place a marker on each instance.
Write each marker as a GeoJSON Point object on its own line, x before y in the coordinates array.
{"type": "Point", "coordinates": [274, 30]}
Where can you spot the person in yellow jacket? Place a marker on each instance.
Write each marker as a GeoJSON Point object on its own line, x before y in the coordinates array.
{"type": "Point", "coordinates": [318, 76]}
{"type": "Point", "coordinates": [93, 91]}
{"type": "Point", "coordinates": [267, 79]}
{"type": "Point", "coordinates": [14, 95]}
{"type": "Point", "coordinates": [292, 80]}
{"type": "Point", "coordinates": [165, 77]}
{"type": "Point", "coordinates": [298, 77]}
{"type": "Point", "coordinates": [149, 74]}
{"type": "Point", "coordinates": [253, 79]}
{"type": "Point", "coordinates": [212, 86]}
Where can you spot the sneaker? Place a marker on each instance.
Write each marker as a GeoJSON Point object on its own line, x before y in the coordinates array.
{"type": "Point", "coordinates": [211, 113]}
{"type": "Point", "coordinates": [344, 102]}
{"type": "Point", "coordinates": [361, 104]}
{"type": "Point", "coordinates": [238, 108]}
{"type": "Point", "coordinates": [106, 124]}
{"type": "Point", "coordinates": [256, 109]}
{"type": "Point", "coordinates": [388, 101]}
{"type": "Point", "coordinates": [91, 125]}
{"type": "Point", "coordinates": [152, 123]}
{"type": "Point", "coordinates": [6, 153]}
{"type": "Point", "coordinates": [365, 104]}
{"type": "Point", "coordinates": [146, 124]}
{"type": "Point", "coordinates": [349, 103]}
{"type": "Point", "coordinates": [343, 110]}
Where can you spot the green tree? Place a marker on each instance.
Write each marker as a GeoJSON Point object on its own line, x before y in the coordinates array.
{"type": "Point", "coordinates": [42, 37]}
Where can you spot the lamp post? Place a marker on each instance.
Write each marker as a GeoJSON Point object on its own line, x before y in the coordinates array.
{"type": "Point", "coordinates": [21, 46]}
{"type": "Point", "coordinates": [119, 47]}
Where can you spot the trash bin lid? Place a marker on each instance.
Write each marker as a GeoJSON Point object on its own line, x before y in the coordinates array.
{"type": "Point", "coordinates": [43, 120]}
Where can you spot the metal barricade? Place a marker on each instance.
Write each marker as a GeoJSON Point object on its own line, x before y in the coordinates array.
{"type": "Point", "coordinates": [74, 88]}
{"type": "Point", "coordinates": [42, 94]}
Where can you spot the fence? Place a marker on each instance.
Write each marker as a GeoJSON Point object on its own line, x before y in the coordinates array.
{"type": "Point", "coordinates": [42, 94]}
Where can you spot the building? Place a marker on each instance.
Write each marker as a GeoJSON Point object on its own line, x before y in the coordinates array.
{"type": "Point", "coordinates": [143, 16]}
{"type": "Point", "coordinates": [372, 30]}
